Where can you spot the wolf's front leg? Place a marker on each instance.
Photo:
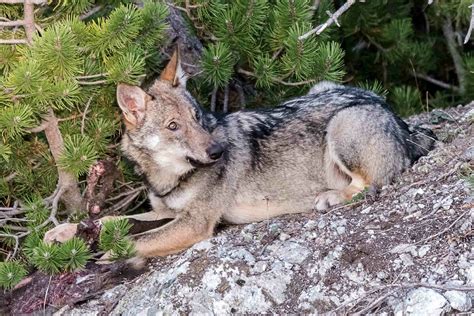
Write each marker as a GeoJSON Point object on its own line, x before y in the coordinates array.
{"type": "Point", "coordinates": [140, 222]}
{"type": "Point", "coordinates": [177, 235]}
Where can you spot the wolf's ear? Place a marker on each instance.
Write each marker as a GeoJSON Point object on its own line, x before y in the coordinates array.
{"type": "Point", "coordinates": [173, 72]}
{"type": "Point", "coordinates": [132, 100]}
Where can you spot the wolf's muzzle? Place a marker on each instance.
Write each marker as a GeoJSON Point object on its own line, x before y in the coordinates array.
{"type": "Point", "coordinates": [215, 151]}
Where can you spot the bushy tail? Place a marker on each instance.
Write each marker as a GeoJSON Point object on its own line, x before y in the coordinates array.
{"type": "Point", "coordinates": [422, 140]}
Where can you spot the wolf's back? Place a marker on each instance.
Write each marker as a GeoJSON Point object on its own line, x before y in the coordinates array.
{"type": "Point", "coordinates": [418, 142]}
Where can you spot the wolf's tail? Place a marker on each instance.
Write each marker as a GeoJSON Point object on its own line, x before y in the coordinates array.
{"type": "Point", "coordinates": [421, 141]}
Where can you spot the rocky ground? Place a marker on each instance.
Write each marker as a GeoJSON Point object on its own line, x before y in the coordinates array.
{"type": "Point", "coordinates": [406, 249]}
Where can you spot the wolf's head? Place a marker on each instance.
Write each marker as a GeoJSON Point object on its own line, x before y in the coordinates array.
{"type": "Point", "coordinates": [164, 126]}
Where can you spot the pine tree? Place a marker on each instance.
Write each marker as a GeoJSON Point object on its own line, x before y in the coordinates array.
{"type": "Point", "coordinates": [59, 68]}
{"type": "Point", "coordinates": [58, 114]}
{"type": "Point", "coordinates": [412, 48]}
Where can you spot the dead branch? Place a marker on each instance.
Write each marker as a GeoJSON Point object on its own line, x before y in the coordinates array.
{"type": "Point", "coordinates": [443, 231]}
{"type": "Point", "coordinates": [453, 51]}
{"type": "Point", "coordinates": [91, 12]}
{"type": "Point", "coordinates": [12, 41]}
{"type": "Point", "coordinates": [37, 2]}
{"type": "Point", "coordinates": [225, 106]}
{"type": "Point", "coordinates": [471, 25]}
{"type": "Point", "coordinates": [213, 99]}
{"type": "Point", "coordinates": [332, 19]}
{"type": "Point", "coordinates": [11, 23]}
{"type": "Point", "coordinates": [83, 121]}
{"type": "Point", "coordinates": [434, 81]}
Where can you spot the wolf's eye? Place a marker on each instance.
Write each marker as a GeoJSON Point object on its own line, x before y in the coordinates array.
{"type": "Point", "coordinates": [172, 126]}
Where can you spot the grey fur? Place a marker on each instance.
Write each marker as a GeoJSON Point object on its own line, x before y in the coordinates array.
{"type": "Point", "coordinates": [309, 153]}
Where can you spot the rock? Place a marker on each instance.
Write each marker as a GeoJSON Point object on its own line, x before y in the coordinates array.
{"type": "Point", "coordinates": [424, 301]}
{"type": "Point", "coordinates": [423, 250]}
{"type": "Point", "coordinates": [314, 263]}
{"type": "Point", "coordinates": [459, 300]}
{"type": "Point", "coordinates": [402, 248]}
{"type": "Point", "coordinates": [290, 252]}
{"type": "Point", "coordinates": [406, 259]}
{"type": "Point", "coordinates": [446, 203]}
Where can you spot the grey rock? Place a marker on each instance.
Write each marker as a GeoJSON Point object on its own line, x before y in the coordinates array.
{"type": "Point", "coordinates": [290, 251]}
{"type": "Point", "coordinates": [459, 300]}
{"type": "Point", "coordinates": [424, 301]}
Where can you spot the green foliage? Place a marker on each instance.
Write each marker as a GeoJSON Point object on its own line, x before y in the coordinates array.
{"type": "Point", "coordinates": [217, 64]}
{"type": "Point", "coordinates": [374, 86]}
{"type": "Point", "coordinates": [116, 32]}
{"type": "Point", "coordinates": [74, 254]}
{"type": "Point", "coordinates": [78, 155]}
{"type": "Point", "coordinates": [393, 41]}
{"type": "Point", "coordinates": [36, 211]}
{"type": "Point", "coordinates": [46, 258]}
{"type": "Point", "coordinates": [405, 100]}
{"type": "Point", "coordinates": [11, 273]}
{"type": "Point", "coordinates": [113, 238]}
{"type": "Point", "coordinates": [16, 120]}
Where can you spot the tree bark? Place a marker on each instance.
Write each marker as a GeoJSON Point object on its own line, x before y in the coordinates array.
{"type": "Point", "coordinates": [71, 196]}
{"type": "Point", "coordinates": [453, 51]}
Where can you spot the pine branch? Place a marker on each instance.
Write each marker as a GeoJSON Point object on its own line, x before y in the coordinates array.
{"type": "Point", "coordinates": [332, 19]}
{"type": "Point", "coordinates": [471, 24]}
{"type": "Point", "coordinates": [455, 55]}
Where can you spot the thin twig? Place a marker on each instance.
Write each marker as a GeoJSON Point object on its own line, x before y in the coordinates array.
{"type": "Point", "coordinates": [127, 193]}
{"type": "Point", "coordinates": [46, 295]}
{"type": "Point", "coordinates": [443, 231]}
{"type": "Point", "coordinates": [435, 81]}
{"type": "Point", "coordinates": [84, 115]}
{"type": "Point", "coordinates": [225, 106]}
{"type": "Point", "coordinates": [471, 25]}
{"type": "Point", "coordinates": [12, 41]}
{"type": "Point", "coordinates": [213, 99]}
{"type": "Point", "coordinates": [332, 19]}
{"type": "Point", "coordinates": [91, 12]}
{"type": "Point", "coordinates": [91, 83]}
{"type": "Point", "coordinates": [374, 303]}
{"type": "Point", "coordinates": [39, 128]}
{"type": "Point", "coordinates": [11, 23]}
{"type": "Point", "coordinates": [91, 76]}
{"type": "Point", "coordinates": [23, 1]}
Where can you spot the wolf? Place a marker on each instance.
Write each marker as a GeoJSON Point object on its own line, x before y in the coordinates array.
{"type": "Point", "coordinates": [201, 168]}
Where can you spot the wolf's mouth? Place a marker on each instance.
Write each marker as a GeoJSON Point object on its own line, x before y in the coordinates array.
{"type": "Point", "coordinates": [199, 164]}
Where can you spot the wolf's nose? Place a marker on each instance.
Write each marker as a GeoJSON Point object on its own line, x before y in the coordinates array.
{"type": "Point", "coordinates": [215, 151]}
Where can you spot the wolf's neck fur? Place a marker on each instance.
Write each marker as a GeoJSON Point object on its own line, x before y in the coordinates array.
{"type": "Point", "coordinates": [162, 181]}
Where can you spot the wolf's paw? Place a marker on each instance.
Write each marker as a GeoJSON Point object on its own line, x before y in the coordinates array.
{"type": "Point", "coordinates": [327, 199]}
{"type": "Point", "coordinates": [60, 233]}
